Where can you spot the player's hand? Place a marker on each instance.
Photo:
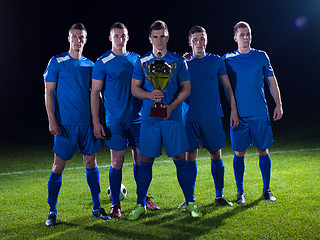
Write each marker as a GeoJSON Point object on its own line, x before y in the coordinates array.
{"type": "Point", "coordinates": [234, 120]}
{"type": "Point", "coordinates": [187, 56]}
{"type": "Point", "coordinates": [156, 95]}
{"type": "Point", "coordinates": [169, 109]}
{"type": "Point", "coordinates": [98, 131]}
{"type": "Point", "coordinates": [278, 113]}
{"type": "Point", "coordinates": [54, 128]}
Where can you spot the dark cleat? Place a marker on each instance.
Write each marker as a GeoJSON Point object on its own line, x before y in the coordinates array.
{"type": "Point", "coordinates": [100, 213]}
{"type": "Point", "coordinates": [241, 199]}
{"type": "Point", "coordinates": [267, 195]}
{"type": "Point", "coordinates": [51, 221]}
{"type": "Point", "coordinates": [222, 201]}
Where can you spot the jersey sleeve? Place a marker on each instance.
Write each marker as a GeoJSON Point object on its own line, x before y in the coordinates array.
{"type": "Point", "coordinates": [183, 72]}
{"type": "Point", "coordinates": [52, 72]}
{"type": "Point", "coordinates": [222, 67]}
{"type": "Point", "coordinates": [138, 73]}
{"type": "Point", "coordinates": [267, 68]}
{"type": "Point", "coordinates": [98, 71]}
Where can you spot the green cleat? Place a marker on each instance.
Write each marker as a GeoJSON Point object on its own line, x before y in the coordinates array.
{"type": "Point", "coordinates": [137, 211]}
{"type": "Point", "coordinates": [193, 209]}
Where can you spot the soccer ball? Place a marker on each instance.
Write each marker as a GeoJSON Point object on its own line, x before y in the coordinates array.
{"type": "Point", "coordinates": [123, 192]}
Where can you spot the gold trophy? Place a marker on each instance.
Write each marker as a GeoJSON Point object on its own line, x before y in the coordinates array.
{"type": "Point", "coordinates": [159, 74]}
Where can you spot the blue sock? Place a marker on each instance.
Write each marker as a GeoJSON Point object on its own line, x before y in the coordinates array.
{"type": "Point", "coordinates": [184, 175]}
{"type": "Point", "coordinates": [193, 167]}
{"type": "Point", "coordinates": [217, 171]}
{"type": "Point", "coordinates": [54, 185]}
{"type": "Point", "coordinates": [135, 170]}
{"type": "Point", "coordinates": [238, 168]}
{"type": "Point", "coordinates": [94, 185]}
{"type": "Point", "coordinates": [144, 178]}
{"type": "Point", "coordinates": [265, 168]}
{"type": "Point", "coordinates": [115, 179]}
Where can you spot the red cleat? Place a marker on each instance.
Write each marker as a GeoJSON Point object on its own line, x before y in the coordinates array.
{"type": "Point", "coordinates": [151, 205]}
{"type": "Point", "coordinates": [115, 211]}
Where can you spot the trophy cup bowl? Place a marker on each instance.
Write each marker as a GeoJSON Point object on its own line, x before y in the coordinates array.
{"type": "Point", "coordinates": [159, 74]}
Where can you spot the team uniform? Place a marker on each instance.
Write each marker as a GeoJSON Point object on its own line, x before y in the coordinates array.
{"type": "Point", "coordinates": [202, 112]}
{"type": "Point", "coordinates": [72, 105]}
{"type": "Point", "coordinates": [171, 129]}
{"type": "Point", "coordinates": [122, 110]}
{"type": "Point", "coordinates": [247, 73]}
{"type": "Point", "coordinates": [73, 116]}
{"type": "Point", "coordinates": [154, 130]}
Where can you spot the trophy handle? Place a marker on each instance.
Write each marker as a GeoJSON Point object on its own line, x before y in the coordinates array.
{"type": "Point", "coordinates": [173, 65]}
{"type": "Point", "coordinates": [145, 65]}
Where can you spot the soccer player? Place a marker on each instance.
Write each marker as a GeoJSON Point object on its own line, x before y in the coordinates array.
{"type": "Point", "coordinates": [154, 129]}
{"type": "Point", "coordinates": [247, 68]}
{"type": "Point", "coordinates": [67, 89]}
{"type": "Point", "coordinates": [202, 110]}
{"type": "Point", "coordinates": [112, 75]}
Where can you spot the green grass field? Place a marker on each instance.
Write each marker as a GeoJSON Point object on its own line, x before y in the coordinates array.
{"type": "Point", "coordinates": [295, 182]}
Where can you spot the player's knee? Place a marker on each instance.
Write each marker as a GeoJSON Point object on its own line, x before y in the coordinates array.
{"type": "Point", "coordinates": [262, 152]}
{"type": "Point", "coordinates": [191, 156]}
{"type": "Point", "coordinates": [90, 161]}
{"type": "Point", "coordinates": [240, 154]}
{"type": "Point", "coordinates": [179, 157]}
{"type": "Point", "coordinates": [215, 155]}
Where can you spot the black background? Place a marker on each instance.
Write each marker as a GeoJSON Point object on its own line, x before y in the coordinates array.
{"type": "Point", "coordinates": [32, 32]}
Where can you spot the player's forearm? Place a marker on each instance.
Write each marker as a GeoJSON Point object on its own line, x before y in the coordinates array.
{"type": "Point", "coordinates": [95, 106]}
{"type": "Point", "coordinates": [49, 103]}
{"type": "Point", "coordinates": [275, 91]}
{"type": "Point", "coordinates": [184, 93]}
{"type": "Point", "coordinates": [138, 91]}
{"type": "Point", "coordinates": [232, 100]}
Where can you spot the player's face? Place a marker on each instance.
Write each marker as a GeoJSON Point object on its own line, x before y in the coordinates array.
{"type": "Point", "coordinates": [77, 39]}
{"type": "Point", "coordinates": [159, 39]}
{"type": "Point", "coordinates": [243, 38]}
{"type": "Point", "coordinates": [198, 42]}
{"type": "Point", "coordinates": [119, 38]}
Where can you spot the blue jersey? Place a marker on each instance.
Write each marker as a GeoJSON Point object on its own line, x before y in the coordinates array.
{"type": "Point", "coordinates": [73, 78]}
{"type": "Point", "coordinates": [116, 71]}
{"type": "Point", "coordinates": [246, 73]}
{"type": "Point", "coordinates": [203, 102]}
{"type": "Point", "coordinates": [172, 89]}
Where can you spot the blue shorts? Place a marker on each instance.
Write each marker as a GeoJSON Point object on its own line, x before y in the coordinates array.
{"type": "Point", "coordinates": [211, 133]}
{"type": "Point", "coordinates": [73, 137]}
{"type": "Point", "coordinates": [172, 134]}
{"type": "Point", "coordinates": [252, 131]}
{"type": "Point", "coordinates": [120, 135]}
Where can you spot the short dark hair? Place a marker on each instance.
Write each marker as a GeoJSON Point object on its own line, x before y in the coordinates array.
{"type": "Point", "coordinates": [195, 29]}
{"type": "Point", "coordinates": [158, 25]}
{"type": "Point", "coordinates": [118, 25]}
{"type": "Point", "coordinates": [240, 24]}
{"type": "Point", "coordinates": [78, 26]}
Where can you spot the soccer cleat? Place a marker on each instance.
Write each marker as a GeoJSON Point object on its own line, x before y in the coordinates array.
{"type": "Point", "coordinates": [100, 213]}
{"type": "Point", "coordinates": [222, 202]}
{"type": "Point", "coordinates": [193, 209]}
{"type": "Point", "coordinates": [182, 206]}
{"type": "Point", "coordinates": [241, 199]}
{"type": "Point", "coordinates": [115, 211]}
{"type": "Point", "coordinates": [137, 211]}
{"type": "Point", "coordinates": [267, 195]}
{"type": "Point", "coordinates": [151, 205]}
{"type": "Point", "coordinates": [51, 221]}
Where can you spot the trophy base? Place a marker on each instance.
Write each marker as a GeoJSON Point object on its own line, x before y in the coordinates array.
{"type": "Point", "coordinates": [160, 112]}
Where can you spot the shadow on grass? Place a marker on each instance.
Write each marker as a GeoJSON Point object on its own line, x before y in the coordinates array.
{"type": "Point", "coordinates": [167, 223]}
